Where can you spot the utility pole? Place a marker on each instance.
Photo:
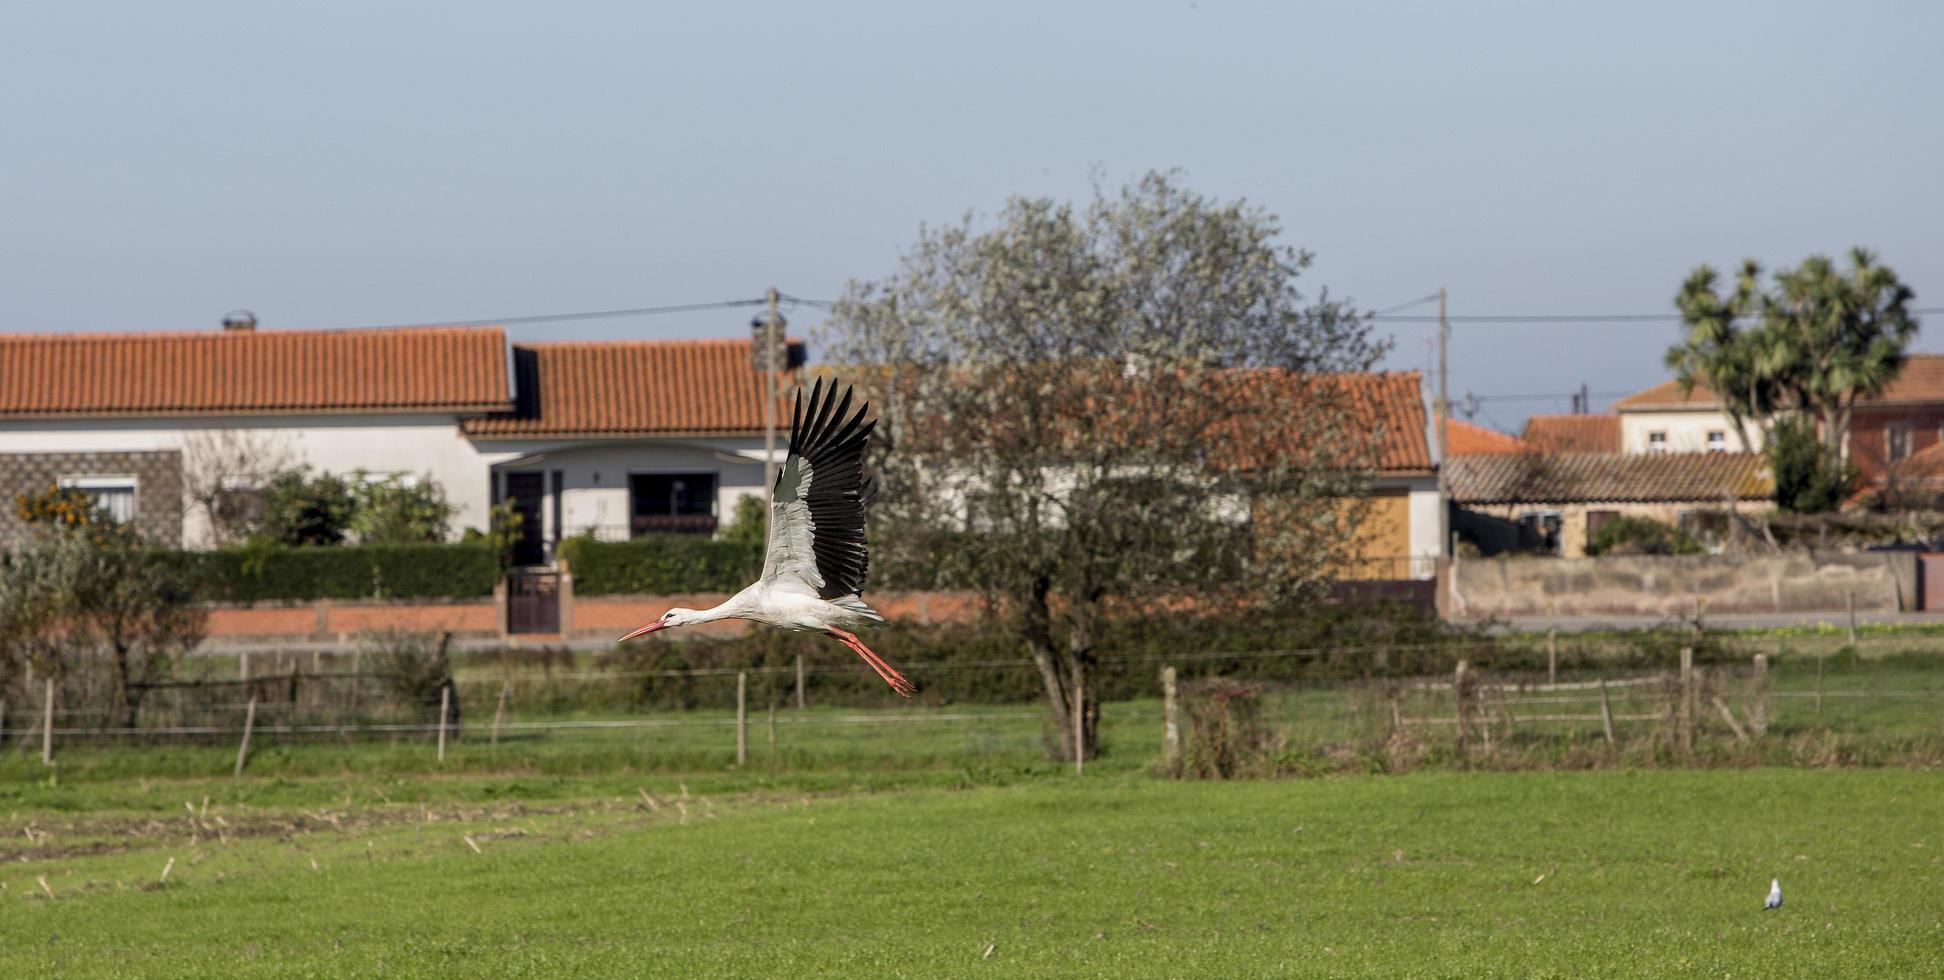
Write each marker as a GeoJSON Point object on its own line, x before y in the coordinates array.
{"type": "Point", "coordinates": [1444, 400]}
{"type": "Point", "coordinates": [769, 411]}
{"type": "Point", "coordinates": [1444, 440]}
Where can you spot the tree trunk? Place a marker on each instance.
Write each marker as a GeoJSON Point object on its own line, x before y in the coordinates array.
{"type": "Point", "coordinates": [131, 697]}
{"type": "Point", "coordinates": [1037, 624]}
{"type": "Point", "coordinates": [1081, 664]}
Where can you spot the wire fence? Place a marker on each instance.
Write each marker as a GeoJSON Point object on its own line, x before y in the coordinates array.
{"type": "Point", "coordinates": [1472, 699]}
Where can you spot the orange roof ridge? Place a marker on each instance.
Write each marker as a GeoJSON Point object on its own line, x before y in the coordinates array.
{"type": "Point", "coordinates": [202, 334]}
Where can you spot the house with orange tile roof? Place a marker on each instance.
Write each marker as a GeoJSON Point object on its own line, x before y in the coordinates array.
{"type": "Point", "coordinates": [613, 439]}
{"type": "Point", "coordinates": [1466, 439]}
{"type": "Point", "coordinates": [1581, 432]}
{"type": "Point", "coordinates": [654, 436]}
{"type": "Point", "coordinates": [1906, 418]}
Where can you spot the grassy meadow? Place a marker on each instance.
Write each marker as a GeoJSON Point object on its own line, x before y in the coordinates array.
{"type": "Point", "coordinates": [1623, 873]}
{"type": "Point", "coordinates": [937, 840]}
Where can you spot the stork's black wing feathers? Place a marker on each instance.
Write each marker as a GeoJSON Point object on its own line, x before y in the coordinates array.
{"type": "Point", "coordinates": [824, 474]}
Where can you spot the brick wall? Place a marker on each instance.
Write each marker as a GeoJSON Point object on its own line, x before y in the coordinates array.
{"type": "Point", "coordinates": [158, 492]}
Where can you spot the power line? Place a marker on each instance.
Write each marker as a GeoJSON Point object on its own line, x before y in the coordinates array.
{"type": "Point", "coordinates": [1420, 301]}
{"type": "Point", "coordinates": [1578, 317]}
{"type": "Point", "coordinates": [589, 315]}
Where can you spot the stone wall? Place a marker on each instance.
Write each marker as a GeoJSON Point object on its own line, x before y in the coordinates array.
{"type": "Point", "coordinates": [158, 491]}
{"type": "Point", "coordinates": [1650, 585]}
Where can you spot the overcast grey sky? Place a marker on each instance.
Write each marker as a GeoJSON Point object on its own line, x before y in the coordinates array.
{"type": "Point", "coordinates": [351, 163]}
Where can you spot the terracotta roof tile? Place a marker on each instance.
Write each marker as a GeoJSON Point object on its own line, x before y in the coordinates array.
{"type": "Point", "coordinates": [1920, 382]}
{"type": "Point", "coordinates": [1594, 477]}
{"type": "Point", "coordinates": [635, 388]}
{"type": "Point", "coordinates": [1466, 439]}
{"type": "Point", "coordinates": [394, 370]}
{"type": "Point", "coordinates": [1573, 433]}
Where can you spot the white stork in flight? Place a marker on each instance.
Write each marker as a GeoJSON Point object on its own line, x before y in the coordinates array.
{"type": "Point", "coordinates": [813, 570]}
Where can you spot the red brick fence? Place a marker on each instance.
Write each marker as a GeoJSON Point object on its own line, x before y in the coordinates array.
{"type": "Point", "coordinates": [339, 621]}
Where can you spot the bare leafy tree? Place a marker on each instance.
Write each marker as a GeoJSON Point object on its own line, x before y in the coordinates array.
{"type": "Point", "coordinates": [224, 473]}
{"type": "Point", "coordinates": [1125, 407]}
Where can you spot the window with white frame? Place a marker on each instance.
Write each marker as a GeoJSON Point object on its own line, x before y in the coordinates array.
{"type": "Point", "coordinates": [113, 496]}
{"type": "Point", "coordinates": [1656, 442]}
{"type": "Point", "coordinates": [1717, 441]}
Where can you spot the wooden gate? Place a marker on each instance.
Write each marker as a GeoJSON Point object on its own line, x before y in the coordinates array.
{"type": "Point", "coordinates": [1930, 580]}
{"type": "Point", "coordinates": [533, 602]}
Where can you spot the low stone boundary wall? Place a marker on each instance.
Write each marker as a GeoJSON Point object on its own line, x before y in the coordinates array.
{"type": "Point", "coordinates": [1656, 585]}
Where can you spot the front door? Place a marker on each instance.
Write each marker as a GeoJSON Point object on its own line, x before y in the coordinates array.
{"type": "Point", "coordinates": [528, 491]}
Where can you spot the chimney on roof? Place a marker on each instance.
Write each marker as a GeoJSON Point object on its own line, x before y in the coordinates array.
{"type": "Point", "coordinates": [240, 321]}
{"type": "Point", "coordinates": [761, 334]}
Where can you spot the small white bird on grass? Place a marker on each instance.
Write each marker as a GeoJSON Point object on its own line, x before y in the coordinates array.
{"type": "Point", "coordinates": [1775, 895]}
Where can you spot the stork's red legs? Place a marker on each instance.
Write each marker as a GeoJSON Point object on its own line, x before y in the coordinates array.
{"type": "Point", "coordinates": [890, 674]}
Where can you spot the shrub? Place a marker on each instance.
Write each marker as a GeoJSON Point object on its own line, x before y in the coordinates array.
{"type": "Point", "coordinates": [259, 573]}
{"type": "Point", "coordinates": [415, 670]}
{"type": "Point", "coordinates": [1807, 480]}
{"type": "Point", "coordinates": [1641, 536]}
{"type": "Point", "coordinates": [660, 564]}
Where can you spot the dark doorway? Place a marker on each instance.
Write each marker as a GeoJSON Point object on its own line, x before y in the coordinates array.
{"type": "Point", "coordinates": [528, 491]}
{"type": "Point", "coordinates": [678, 502]}
{"type": "Point", "coordinates": [533, 602]}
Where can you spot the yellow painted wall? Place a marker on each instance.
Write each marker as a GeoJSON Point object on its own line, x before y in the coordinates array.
{"type": "Point", "coordinates": [1385, 533]}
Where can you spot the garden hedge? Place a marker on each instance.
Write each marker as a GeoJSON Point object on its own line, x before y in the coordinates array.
{"type": "Point", "coordinates": [366, 572]}
{"type": "Point", "coordinates": [660, 564]}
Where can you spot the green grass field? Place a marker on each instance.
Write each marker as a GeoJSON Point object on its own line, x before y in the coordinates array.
{"type": "Point", "coordinates": [1430, 874]}
{"type": "Point", "coordinates": [937, 840]}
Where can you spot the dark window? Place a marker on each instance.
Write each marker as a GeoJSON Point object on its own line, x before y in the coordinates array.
{"type": "Point", "coordinates": [528, 491]}
{"type": "Point", "coordinates": [679, 502]}
{"type": "Point", "coordinates": [1540, 531]}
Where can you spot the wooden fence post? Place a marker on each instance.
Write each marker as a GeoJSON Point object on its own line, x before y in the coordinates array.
{"type": "Point", "coordinates": [1687, 698]}
{"type": "Point", "coordinates": [772, 727]}
{"type": "Point", "coordinates": [47, 726]}
{"type": "Point", "coordinates": [499, 713]}
{"type": "Point", "coordinates": [1852, 625]}
{"type": "Point", "coordinates": [799, 680]}
{"type": "Point", "coordinates": [1170, 721]}
{"type": "Point", "coordinates": [243, 666]}
{"type": "Point", "coordinates": [1458, 700]}
{"type": "Point", "coordinates": [1606, 712]}
{"type": "Point", "coordinates": [1552, 655]}
{"type": "Point", "coordinates": [3, 720]}
{"type": "Point", "coordinates": [445, 712]}
{"type": "Point", "coordinates": [1819, 673]}
{"type": "Point", "coordinates": [249, 725]}
{"type": "Point", "coordinates": [742, 717]}
{"type": "Point", "coordinates": [1759, 707]}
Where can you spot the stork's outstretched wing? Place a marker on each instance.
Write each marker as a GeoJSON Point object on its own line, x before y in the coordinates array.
{"type": "Point", "coordinates": [817, 514]}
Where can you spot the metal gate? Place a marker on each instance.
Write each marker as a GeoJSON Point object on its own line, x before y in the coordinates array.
{"type": "Point", "coordinates": [533, 602]}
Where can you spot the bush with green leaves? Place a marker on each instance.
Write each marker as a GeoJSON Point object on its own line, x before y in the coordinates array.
{"type": "Point", "coordinates": [84, 601]}
{"type": "Point", "coordinates": [1641, 536]}
{"type": "Point", "coordinates": [265, 572]}
{"type": "Point", "coordinates": [1808, 478]}
{"type": "Point", "coordinates": [661, 564]}
{"type": "Point", "coordinates": [305, 508]}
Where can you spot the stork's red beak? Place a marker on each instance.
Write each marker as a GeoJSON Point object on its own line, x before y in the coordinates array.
{"type": "Point", "coordinates": [644, 631]}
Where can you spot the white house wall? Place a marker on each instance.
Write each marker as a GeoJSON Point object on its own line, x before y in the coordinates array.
{"type": "Point", "coordinates": [415, 444]}
{"type": "Point", "coordinates": [1687, 432]}
{"type": "Point", "coordinates": [594, 476]}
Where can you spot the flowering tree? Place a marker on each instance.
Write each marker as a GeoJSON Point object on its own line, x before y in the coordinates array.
{"type": "Point", "coordinates": [1111, 407]}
